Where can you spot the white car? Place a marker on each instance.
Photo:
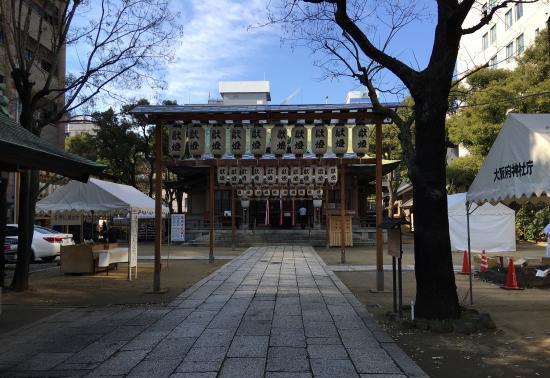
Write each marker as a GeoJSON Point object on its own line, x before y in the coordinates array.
{"type": "Point", "coordinates": [46, 243]}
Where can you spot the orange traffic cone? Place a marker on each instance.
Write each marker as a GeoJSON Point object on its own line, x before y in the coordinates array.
{"type": "Point", "coordinates": [511, 280]}
{"type": "Point", "coordinates": [483, 262]}
{"type": "Point", "coordinates": [465, 264]}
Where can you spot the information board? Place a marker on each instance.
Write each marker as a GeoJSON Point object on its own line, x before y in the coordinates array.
{"type": "Point", "coordinates": [177, 233]}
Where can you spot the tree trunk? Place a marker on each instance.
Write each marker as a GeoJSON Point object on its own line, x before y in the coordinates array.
{"type": "Point", "coordinates": [436, 296]}
{"type": "Point", "coordinates": [391, 199]}
{"type": "Point", "coordinates": [25, 229]}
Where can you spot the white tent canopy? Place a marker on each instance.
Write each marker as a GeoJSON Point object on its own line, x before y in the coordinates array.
{"type": "Point", "coordinates": [517, 167]}
{"type": "Point", "coordinates": [492, 228]}
{"type": "Point", "coordinates": [99, 196]}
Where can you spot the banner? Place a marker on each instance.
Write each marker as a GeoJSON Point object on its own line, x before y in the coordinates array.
{"type": "Point", "coordinates": [177, 228]}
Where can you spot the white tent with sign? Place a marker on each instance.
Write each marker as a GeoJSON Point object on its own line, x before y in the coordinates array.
{"type": "Point", "coordinates": [517, 168]}
{"type": "Point", "coordinates": [102, 197]}
{"type": "Point", "coordinates": [492, 227]}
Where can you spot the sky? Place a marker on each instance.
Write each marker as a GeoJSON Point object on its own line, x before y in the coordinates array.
{"type": "Point", "coordinates": [219, 45]}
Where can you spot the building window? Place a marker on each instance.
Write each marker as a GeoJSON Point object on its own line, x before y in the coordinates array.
{"type": "Point", "coordinates": [508, 19]}
{"type": "Point", "coordinates": [493, 34]}
{"type": "Point", "coordinates": [520, 46]}
{"type": "Point", "coordinates": [493, 62]}
{"type": "Point", "coordinates": [519, 10]}
{"type": "Point", "coordinates": [509, 52]}
{"type": "Point", "coordinates": [485, 41]}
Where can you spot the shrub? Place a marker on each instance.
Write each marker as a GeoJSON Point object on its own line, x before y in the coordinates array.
{"type": "Point", "coordinates": [531, 220]}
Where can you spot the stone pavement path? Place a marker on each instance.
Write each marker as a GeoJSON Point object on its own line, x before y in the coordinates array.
{"type": "Point", "coordinates": [272, 312]}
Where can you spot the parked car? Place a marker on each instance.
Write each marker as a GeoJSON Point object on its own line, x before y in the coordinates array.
{"type": "Point", "coordinates": [46, 243]}
{"type": "Point", "coordinates": [10, 249]}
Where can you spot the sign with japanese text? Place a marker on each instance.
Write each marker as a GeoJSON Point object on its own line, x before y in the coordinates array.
{"type": "Point", "coordinates": [177, 228]}
{"type": "Point", "coordinates": [217, 140]}
{"type": "Point", "coordinates": [339, 139]}
{"type": "Point", "coordinates": [319, 140]}
{"type": "Point", "coordinates": [278, 140]}
{"type": "Point", "coordinates": [360, 140]}
{"type": "Point", "coordinates": [238, 140]}
{"type": "Point", "coordinates": [258, 140]}
{"type": "Point", "coordinates": [196, 141]}
{"type": "Point", "coordinates": [176, 141]}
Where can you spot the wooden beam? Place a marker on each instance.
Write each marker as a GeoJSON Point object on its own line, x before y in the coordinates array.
{"type": "Point", "coordinates": [212, 208]}
{"type": "Point", "coordinates": [158, 205]}
{"type": "Point", "coordinates": [342, 214]}
{"type": "Point", "coordinates": [233, 216]}
{"type": "Point", "coordinates": [379, 236]}
{"type": "Point", "coordinates": [266, 162]}
{"type": "Point", "coordinates": [269, 117]}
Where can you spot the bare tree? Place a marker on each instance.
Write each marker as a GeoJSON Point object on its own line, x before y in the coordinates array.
{"type": "Point", "coordinates": [349, 36]}
{"type": "Point", "coordinates": [118, 45]}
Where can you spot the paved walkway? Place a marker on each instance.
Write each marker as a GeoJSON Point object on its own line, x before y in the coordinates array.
{"type": "Point", "coordinates": [273, 312]}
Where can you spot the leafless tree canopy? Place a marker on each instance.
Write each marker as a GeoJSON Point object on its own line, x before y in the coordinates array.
{"type": "Point", "coordinates": [117, 44]}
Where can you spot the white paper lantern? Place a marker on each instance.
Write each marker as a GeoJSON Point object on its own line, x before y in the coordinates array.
{"type": "Point", "coordinates": [223, 175]}
{"type": "Point", "coordinates": [278, 140]}
{"type": "Point", "coordinates": [196, 141]}
{"type": "Point", "coordinates": [245, 175]}
{"type": "Point", "coordinates": [234, 175]}
{"type": "Point", "coordinates": [332, 175]}
{"type": "Point", "coordinates": [258, 140]}
{"type": "Point", "coordinates": [319, 140]}
{"type": "Point", "coordinates": [301, 192]}
{"type": "Point", "coordinates": [318, 193]}
{"type": "Point", "coordinates": [240, 193]}
{"type": "Point", "coordinates": [360, 139]}
{"type": "Point", "coordinates": [295, 174]}
{"type": "Point", "coordinates": [298, 143]}
{"type": "Point", "coordinates": [275, 192]}
{"type": "Point", "coordinates": [270, 175]}
{"type": "Point", "coordinates": [258, 175]}
{"type": "Point", "coordinates": [310, 192]}
{"type": "Point", "coordinates": [340, 139]}
{"type": "Point", "coordinates": [248, 192]}
{"type": "Point", "coordinates": [320, 175]}
{"type": "Point", "coordinates": [284, 192]}
{"type": "Point", "coordinates": [238, 140]}
{"type": "Point", "coordinates": [218, 140]}
{"type": "Point", "coordinates": [283, 175]}
{"type": "Point", "coordinates": [258, 192]}
{"type": "Point", "coordinates": [176, 144]}
{"type": "Point", "coordinates": [292, 192]}
{"type": "Point", "coordinates": [266, 192]}
{"type": "Point", "coordinates": [307, 175]}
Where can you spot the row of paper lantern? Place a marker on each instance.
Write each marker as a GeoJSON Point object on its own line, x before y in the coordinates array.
{"type": "Point", "coordinates": [306, 175]}
{"type": "Point", "coordinates": [258, 140]}
{"type": "Point", "coordinates": [280, 192]}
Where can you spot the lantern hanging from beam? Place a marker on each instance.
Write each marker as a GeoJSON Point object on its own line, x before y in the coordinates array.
{"type": "Point", "coordinates": [177, 141]}
{"type": "Point", "coordinates": [292, 192]}
{"type": "Point", "coordinates": [266, 192]}
{"type": "Point", "coordinates": [270, 175]}
{"type": "Point", "coordinates": [238, 140]}
{"type": "Point", "coordinates": [257, 192]}
{"type": "Point", "coordinates": [245, 175]}
{"type": "Point", "coordinates": [283, 175]}
{"type": "Point", "coordinates": [310, 192]}
{"type": "Point", "coordinates": [278, 140]}
{"type": "Point", "coordinates": [298, 143]}
{"type": "Point", "coordinates": [295, 174]}
{"type": "Point", "coordinates": [223, 175]}
{"type": "Point", "coordinates": [301, 192]}
{"type": "Point", "coordinates": [332, 175]}
{"type": "Point", "coordinates": [284, 192]}
{"type": "Point", "coordinates": [258, 175]}
{"type": "Point", "coordinates": [275, 192]}
{"type": "Point", "coordinates": [320, 175]}
{"type": "Point", "coordinates": [340, 139]}
{"type": "Point", "coordinates": [196, 140]}
{"type": "Point", "coordinates": [319, 140]}
{"type": "Point", "coordinates": [248, 193]}
{"type": "Point", "coordinates": [218, 139]}
{"type": "Point", "coordinates": [234, 175]}
{"type": "Point", "coordinates": [360, 139]}
{"type": "Point", "coordinates": [240, 193]}
{"type": "Point", "coordinates": [307, 175]}
{"type": "Point", "coordinates": [258, 140]}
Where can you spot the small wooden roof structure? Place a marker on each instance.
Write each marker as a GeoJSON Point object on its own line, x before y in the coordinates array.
{"type": "Point", "coordinates": [363, 113]}
{"type": "Point", "coordinates": [21, 149]}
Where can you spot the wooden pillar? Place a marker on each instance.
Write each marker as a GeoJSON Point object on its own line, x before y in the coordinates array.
{"type": "Point", "coordinates": [212, 207]}
{"type": "Point", "coordinates": [233, 216]}
{"type": "Point", "coordinates": [379, 236]}
{"type": "Point", "coordinates": [158, 205]}
{"type": "Point", "coordinates": [327, 231]}
{"type": "Point", "coordinates": [342, 214]}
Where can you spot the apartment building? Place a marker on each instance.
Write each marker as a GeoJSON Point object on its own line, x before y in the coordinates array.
{"type": "Point", "coordinates": [511, 30]}
{"type": "Point", "coordinates": [39, 49]}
